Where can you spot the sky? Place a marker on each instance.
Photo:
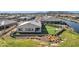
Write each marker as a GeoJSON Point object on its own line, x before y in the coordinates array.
{"type": "Point", "coordinates": [31, 11]}
{"type": "Point", "coordinates": [22, 11]}
{"type": "Point", "coordinates": [39, 5]}
{"type": "Point", "coordinates": [30, 6]}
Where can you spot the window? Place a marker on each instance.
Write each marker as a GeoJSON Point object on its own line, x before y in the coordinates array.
{"type": "Point", "coordinates": [20, 29]}
{"type": "Point", "coordinates": [37, 29]}
{"type": "Point", "coordinates": [28, 29]}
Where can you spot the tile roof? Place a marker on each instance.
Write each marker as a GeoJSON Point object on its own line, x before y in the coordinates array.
{"type": "Point", "coordinates": [6, 22]}
{"type": "Point", "coordinates": [35, 22]}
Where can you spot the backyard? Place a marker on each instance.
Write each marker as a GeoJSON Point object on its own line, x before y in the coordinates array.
{"type": "Point", "coordinates": [48, 29]}
{"type": "Point", "coordinates": [21, 42]}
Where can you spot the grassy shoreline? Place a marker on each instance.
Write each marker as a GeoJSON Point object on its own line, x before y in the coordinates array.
{"type": "Point", "coordinates": [70, 39]}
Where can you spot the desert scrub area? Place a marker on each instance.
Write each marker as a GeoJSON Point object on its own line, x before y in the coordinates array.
{"type": "Point", "coordinates": [12, 42]}
{"type": "Point", "coordinates": [70, 39]}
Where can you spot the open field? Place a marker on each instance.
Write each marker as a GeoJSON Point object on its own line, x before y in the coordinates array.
{"type": "Point", "coordinates": [70, 39]}
{"type": "Point", "coordinates": [12, 42]}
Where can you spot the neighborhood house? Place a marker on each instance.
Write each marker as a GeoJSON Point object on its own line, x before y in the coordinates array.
{"type": "Point", "coordinates": [30, 27]}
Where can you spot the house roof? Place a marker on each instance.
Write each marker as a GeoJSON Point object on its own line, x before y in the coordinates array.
{"type": "Point", "coordinates": [6, 22]}
{"type": "Point", "coordinates": [35, 22]}
{"type": "Point", "coordinates": [27, 17]}
{"type": "Point", "coordinates": [50, 19]}
{"type": "Point", "coordinates": [24, 17]}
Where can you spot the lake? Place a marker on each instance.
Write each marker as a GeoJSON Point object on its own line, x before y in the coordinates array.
{"type": "Point", "coordinates": [73, 25]}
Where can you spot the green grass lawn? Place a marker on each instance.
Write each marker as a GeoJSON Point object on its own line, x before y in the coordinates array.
{"type": "Point", "coordinates": [50, 29]}
{"type": "Point", "coordinates": [71, 39]}
{"type": "Point", "coordinates": [12, 42]}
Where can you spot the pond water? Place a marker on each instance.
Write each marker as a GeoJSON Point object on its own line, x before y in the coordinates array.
{"type": "Point", "coordinates": [73, 25]}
